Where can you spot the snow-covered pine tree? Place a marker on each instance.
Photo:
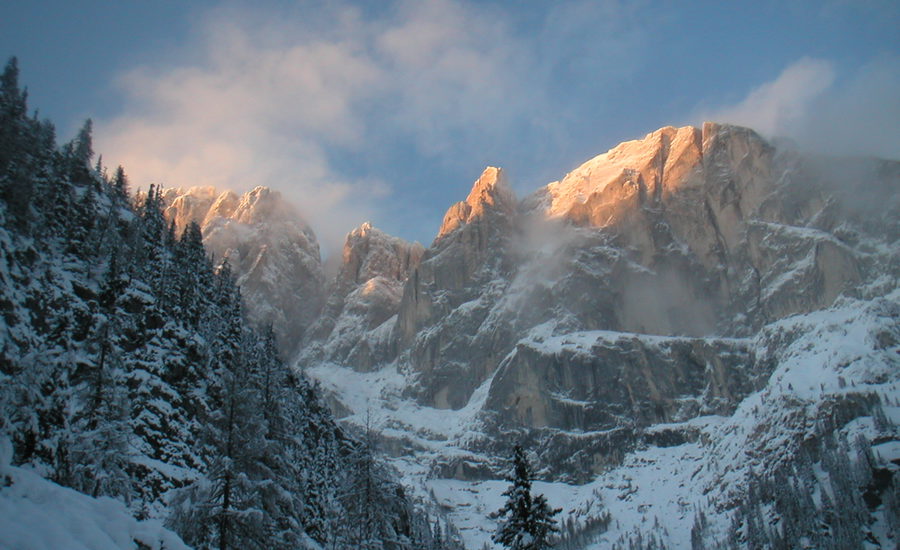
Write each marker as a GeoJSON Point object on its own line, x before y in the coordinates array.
{"type": "Point", "coordinates": [192, 274]}
{"type": "Point", "coordinates": [526, 521]}
{"type": "Point", "coordinates": [16, 160]}
{"type": "Point", "coordinates": [120, 183]}
{"type": "Point", "coordinates": [313, 441]}
{"type": "Point", "coordinates": [359, 495]}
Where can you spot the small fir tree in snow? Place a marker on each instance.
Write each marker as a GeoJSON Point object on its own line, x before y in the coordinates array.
{"type": "Point", "coordinates": [526, 521]}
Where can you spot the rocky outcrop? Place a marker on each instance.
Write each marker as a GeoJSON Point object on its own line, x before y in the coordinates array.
{"type": "Point", "coordinates": [472, 234]}
{"type": "Point", "coordinates": [358, 319]}
{"type": "Point", "coordinates": [584, 400]}
{"type": "Point", "coordinates": [490, 196]}
{"type": "Point", "coordinates": [591, 381]}
{"type": "Point", "coordinates": [272, 251]}
{"type": "Point", "coordinates": [450, 293]}
{"type": "Point", "coordinates": [686, 232]}
{"type": "Point", "coordinates": [370, 253]}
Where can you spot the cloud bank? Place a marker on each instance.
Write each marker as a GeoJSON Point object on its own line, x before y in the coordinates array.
{"type": "Point", "coordinates": [307, 98]}
{"type": "Point", "coordinates": [266, 100]}
{"type": "Point", "coordinates": [808, 103]}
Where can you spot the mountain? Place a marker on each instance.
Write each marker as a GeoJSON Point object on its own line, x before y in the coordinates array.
{"type": "Point", "coordinates": [673, 329]}
{"type": "Point", "coordinates": [695, 336]}
{"type": "Point", "coordinates": [363, 300]}
{"type": "Point", "coordinates": [271, 250]}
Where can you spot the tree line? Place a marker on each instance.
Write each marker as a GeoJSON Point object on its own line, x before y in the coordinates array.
{"type": "Point", "coordinates": [127, 368]}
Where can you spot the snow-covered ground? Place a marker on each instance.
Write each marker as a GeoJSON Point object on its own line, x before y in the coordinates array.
{"type": "Point", "coordinates": [37, 514]}
{"type": "Point", "coordinates": [820, 357]}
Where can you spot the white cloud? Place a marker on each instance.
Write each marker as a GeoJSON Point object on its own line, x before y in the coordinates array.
{"type": "Point", "coordinates": [824, 111]}
{"type": "Point", "coordinates": [266, 98]}
{"type": "Point", "coordinates": [248, 114]}
{"type": "Point", "coordinates": [454, 71]}
{"type": "Point", "coordinates": [778, 105]}
{"type": "Point", "coordinates": [860, 116]}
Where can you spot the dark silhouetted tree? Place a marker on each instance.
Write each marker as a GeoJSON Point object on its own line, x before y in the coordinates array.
{"type": "Point", "coordinates": [526, 521]}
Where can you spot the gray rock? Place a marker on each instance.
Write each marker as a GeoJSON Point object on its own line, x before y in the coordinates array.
{"type": "Point", "coordinates": [271, 250]}
{"type": "Point", "coordinates": [358, 319]}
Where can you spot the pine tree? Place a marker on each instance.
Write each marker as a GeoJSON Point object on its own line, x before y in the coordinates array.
{"type": "Point", "coordinates": [82, 147]}
{"type": "Point", "coordinates": [360, 496]}
{"type": "Point", "coordinates": [120, 183]}
{"type": "Point", "coordinates": [526, 521]}
{"type": "Point", "coordinates": [18, 151]}
{"type": "Point", "coordinates": [192, 275]}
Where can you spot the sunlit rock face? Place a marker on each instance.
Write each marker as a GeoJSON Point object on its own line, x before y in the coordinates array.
{"type": "Point", "coordinates": [707, 219]}
{"type": "Point", "coordinates": [449, 295]}
{"type": "Point", "coordinates": [686, 232]}
{"type": "Point", "coordinates": [701, 183]}
{"type": "Point", "coordinates": [271, 250]}
{"type": "Point", "coordinates": [490, 195]}
{"type": "Point", "coordinates": [358, 319]}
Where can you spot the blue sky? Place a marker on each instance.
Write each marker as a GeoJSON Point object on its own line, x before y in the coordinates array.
{"type": "Point", "coordinates": [387, 111]}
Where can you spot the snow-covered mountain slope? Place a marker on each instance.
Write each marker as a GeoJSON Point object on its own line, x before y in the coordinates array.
{"type": "Point", "coordinates": [37, 514]}
{"type": "Point", "coordinates": [672, 329]}
{"type": "Point", "coordinates": [835, 371]}
{"type": "Point", "coordinates": [271, 250]}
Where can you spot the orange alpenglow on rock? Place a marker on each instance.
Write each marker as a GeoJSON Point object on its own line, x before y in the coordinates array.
{"type": "Point", "coordinates": [490, 192]}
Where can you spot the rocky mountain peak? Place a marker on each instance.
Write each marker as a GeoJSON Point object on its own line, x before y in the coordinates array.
{"type": "Point", "coordinates": [191, 205]}
{"type": "Point", "coordinates": [223, 207]}
{"type": "Point", "coordinates": [273, 252]}
{"type": "Point", "coordinates": [363, 300]}
{"type": "Point", "coordinates": [369, 252]}
{"type": "Point", "coordinates": [490, 193]}
{"type": "Point", "coordinates": [632, 171]}
{"type": "Point", "coordinates": [263, 204]}
{"type": "Point", "coordinates": [206, 204]}
{"type": "Point", "coordinates": [649, 171]}
{"type": "Point", "coordinates": [491, 189]}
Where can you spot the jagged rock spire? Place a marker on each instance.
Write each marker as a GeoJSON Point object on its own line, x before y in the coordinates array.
{"type": "Point", "coordinates": [369, 252]}
{"type": "Point", "coordinates": [490, 193]}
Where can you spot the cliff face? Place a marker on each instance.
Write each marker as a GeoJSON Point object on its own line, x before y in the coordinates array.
{"type": "Point", "coordinates": [271, 250]}
{"type": "Point", "coordinates": [703, 212]}
{"type": "Point", "coordinates": [448, 296]}
{"type": "Point", "coordinates": [656, 305]}
{"type": "Point", "coordinates": [360, 312]}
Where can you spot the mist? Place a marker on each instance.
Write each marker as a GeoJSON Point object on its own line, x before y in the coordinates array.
{"type": "Point", "coordinates": [823, 111]}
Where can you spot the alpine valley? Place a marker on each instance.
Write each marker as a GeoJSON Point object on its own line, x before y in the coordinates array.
{"type": "Point", "coordinates": [695, 337]}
